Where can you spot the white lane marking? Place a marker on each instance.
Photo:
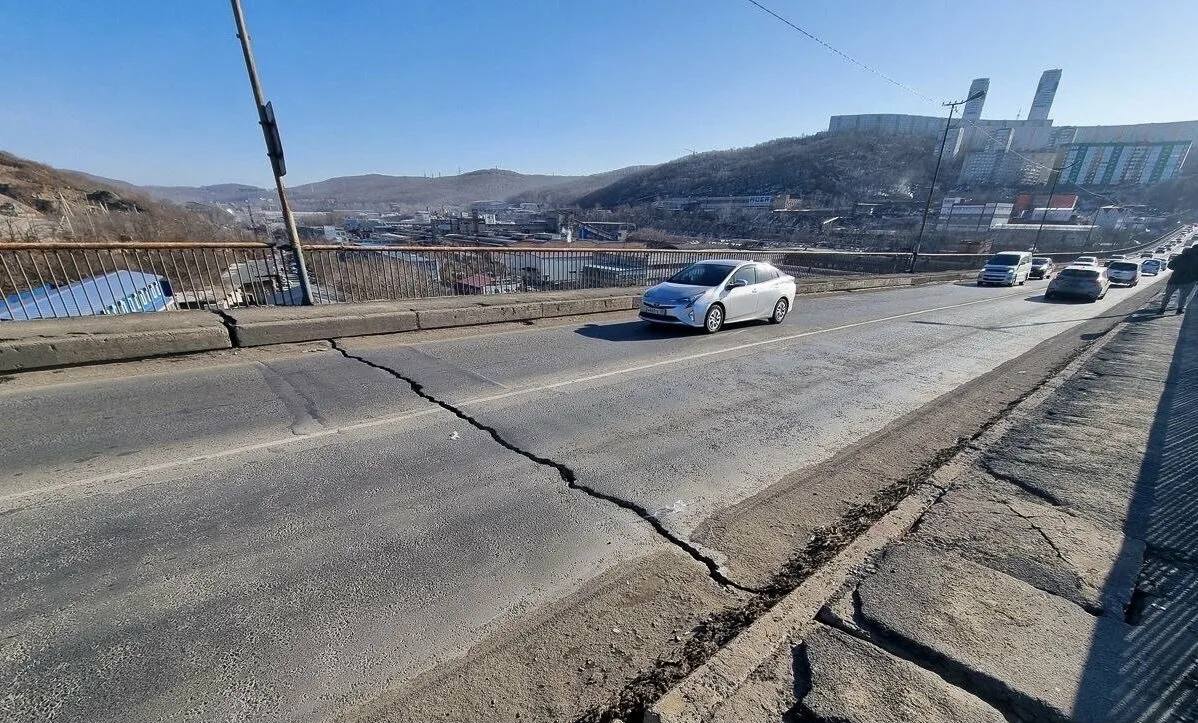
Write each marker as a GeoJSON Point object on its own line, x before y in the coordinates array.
{"type": "Point", "coordinates": [722, 350]}
{"type": "Point", "coordinates": [257, 447]}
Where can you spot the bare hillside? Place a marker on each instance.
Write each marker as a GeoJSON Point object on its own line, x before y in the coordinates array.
{"type": "Point", "coordinates": [41, 202]}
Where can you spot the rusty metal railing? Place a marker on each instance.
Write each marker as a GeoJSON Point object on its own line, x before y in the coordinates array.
{"type": "Point", "coordinates": [59, 279]}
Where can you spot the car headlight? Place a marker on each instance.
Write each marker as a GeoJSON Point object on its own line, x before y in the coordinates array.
{"type": "Point", "coordinates": [690, 300]}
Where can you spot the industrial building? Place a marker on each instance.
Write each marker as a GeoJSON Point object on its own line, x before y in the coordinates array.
{"type": "Point", "coordinates": [963, 215]}
{"type": "Point", "coordinates": [1024, 152]}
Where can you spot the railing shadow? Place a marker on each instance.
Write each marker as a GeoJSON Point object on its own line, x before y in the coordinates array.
{"type": "Point", "coordinates": [1144, 666]}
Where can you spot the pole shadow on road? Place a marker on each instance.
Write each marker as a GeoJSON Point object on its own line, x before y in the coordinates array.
{"type": "Point", "coordinates": [1147, 661]}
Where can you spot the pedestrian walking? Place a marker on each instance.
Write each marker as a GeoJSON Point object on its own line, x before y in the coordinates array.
{"type": "Point", "coordinates": [1184, 275]}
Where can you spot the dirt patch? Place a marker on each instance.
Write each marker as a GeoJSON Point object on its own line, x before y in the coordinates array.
{"type": "Point", "coordinates": [659, 611]}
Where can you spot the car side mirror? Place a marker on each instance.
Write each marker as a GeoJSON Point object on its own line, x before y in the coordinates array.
{"type": "Point", "coordinates": [736, 284]}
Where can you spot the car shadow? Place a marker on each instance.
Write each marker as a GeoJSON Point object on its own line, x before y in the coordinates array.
{"type": "Point", "coordinates": [631, 331]}
{"type": "Point", "coordinates": [644, 331]}
{"type": "Point", "coordinates": [1042, 299]}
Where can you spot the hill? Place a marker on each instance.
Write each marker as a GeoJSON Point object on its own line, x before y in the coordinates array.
{"type": "Point", "coordinates": [41, 202]}
{"type": "Point", "coordinates": [421, 192]}
{"type": "Point", "coordinates": [378, 191]}
{"type": "Point", "coordinates": [823, 166]}
{"type": "Point", "coordinates": [567, 193]}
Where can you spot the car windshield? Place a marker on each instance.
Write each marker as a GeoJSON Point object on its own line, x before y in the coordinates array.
{"type": "Point", "coordinates": [1080, 273]}
{"type": "Point", "coordinates": [1041, 260]}
{"type": "Point", "coordinates": [1004, 260]}
{"type": "Point", "coordinates": [701, 274]}
{"type": "Point", "coordinates": [1124, 266]}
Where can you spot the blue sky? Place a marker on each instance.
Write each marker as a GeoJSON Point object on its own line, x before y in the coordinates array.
{"type": "Point", "coordinates": [154, 91]}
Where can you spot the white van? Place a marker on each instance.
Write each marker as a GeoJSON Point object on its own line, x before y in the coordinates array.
{"type": "Point", "coordinates": [1006, 269]}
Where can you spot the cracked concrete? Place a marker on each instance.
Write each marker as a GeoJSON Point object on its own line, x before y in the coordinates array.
{"type": "Point", "coordinates": [850, 680]}
{"type": "Point", "coordinates": [994, 634]}
{"type": "Point", "coordinates": [1056, 579]}
{"type": "Point", "coordinates": [1042, 545]}
{"type": "Point", "coordinates": [567, 474]}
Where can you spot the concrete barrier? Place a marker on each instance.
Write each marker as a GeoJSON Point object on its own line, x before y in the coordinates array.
{"type": "Point", "coordinates": [262, 325]}
{"type": "Point", "coordinates": [88, 340]}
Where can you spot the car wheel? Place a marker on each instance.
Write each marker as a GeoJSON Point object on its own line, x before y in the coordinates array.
{"type": "Point", "coordinates": [714, 321]}
{"type": "Point", "coordinates": [780, 311]}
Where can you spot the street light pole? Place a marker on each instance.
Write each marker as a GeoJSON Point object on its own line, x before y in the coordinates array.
{"type": "Point", "coordinates": [274, 150]}
{"type": "Point", "coordinates": [952, 107]}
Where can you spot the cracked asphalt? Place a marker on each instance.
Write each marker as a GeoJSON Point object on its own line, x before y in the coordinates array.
{"type": "Point", "coordinates": [296, 532]}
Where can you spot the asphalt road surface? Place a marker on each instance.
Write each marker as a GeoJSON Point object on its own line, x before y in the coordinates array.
{"type": "Point", "coordinates": [283, 533]}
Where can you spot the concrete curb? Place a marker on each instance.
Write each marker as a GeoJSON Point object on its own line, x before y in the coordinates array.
{"type": "Point", "coordinates": [698, 697]}
{"type": "Point", "coordinates": [26, 345]}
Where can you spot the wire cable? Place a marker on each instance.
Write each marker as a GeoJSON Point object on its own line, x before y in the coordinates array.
{"type": "Point", "coordinates": [899, 84]}
{"type": "Point", "coordinates": [837, 51]}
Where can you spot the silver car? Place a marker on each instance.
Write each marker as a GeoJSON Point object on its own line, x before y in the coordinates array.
{"type": "Point", "coordinates": [1079, 281]}
{"type": "Point", "coordinates": [709, 294]}
{"type": "Point", "coordinates": [1126, 273]}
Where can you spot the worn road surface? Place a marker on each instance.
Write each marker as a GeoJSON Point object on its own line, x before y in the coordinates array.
{"type": "Point", "coordinates": [292, 532]}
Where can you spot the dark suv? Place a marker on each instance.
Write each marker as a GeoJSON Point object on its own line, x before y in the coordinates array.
{"type": "Point", "coordinates": [1042, 268]}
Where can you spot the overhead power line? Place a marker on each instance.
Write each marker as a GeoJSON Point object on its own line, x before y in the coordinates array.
{"type": "Point", "coordinates": [837, 51]}
{"type": "Point", "coordinates": [899, 84]}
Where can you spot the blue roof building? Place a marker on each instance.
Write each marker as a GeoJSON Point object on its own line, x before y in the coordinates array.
{"type": "Point", "coordinates": [116, 292]}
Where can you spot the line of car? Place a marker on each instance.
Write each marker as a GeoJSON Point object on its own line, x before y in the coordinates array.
{"type": "Point", "coordinates": [709, 294]}
{"type": "Point", "coordinates": [1086, 277]}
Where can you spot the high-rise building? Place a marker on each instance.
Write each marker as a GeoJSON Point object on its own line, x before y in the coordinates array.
{"type": "Point", "coordinates": [1046, 91]}
{"type": "Point", "coordinates": [1117, 163]}
{"type": "Point", "coordinates": [977, 91]}
{"type": "Point", "coordinates": [1024, 152]}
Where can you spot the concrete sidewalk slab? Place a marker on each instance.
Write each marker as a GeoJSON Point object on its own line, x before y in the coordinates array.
{"type": "Point", "coordinates": [1042, 545]}
{"type": "Point", "coordinates": [853, 681]}
{"type": "Point", "coordinates": [88, 340]}
{"type": "Point", "coordinates": [1013, 643]}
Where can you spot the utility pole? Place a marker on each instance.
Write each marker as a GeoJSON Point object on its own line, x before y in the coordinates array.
{"type": "Point", "coordinates": [253, 225]}
{"type": "Point", "coordinates": [952, 107]}
{"type": "Point", "coordinates": [274, 150]}
{"type": "Point", "coordinates": [1048, 204]}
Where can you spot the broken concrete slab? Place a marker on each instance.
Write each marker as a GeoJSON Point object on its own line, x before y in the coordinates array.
{"type": "Point", "coordinates": [1021, 649]}
{"type": "Point", "coordinates": [1045, 546]}
{"type": "Point", "coordinates": [853, 681]}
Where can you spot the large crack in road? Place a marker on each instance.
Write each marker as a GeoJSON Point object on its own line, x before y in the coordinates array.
{"type": "Point", "coordinates": [714, 571]}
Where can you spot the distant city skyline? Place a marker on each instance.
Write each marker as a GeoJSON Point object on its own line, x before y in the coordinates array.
{"type": "Point", "coordinates": [155, 93]}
